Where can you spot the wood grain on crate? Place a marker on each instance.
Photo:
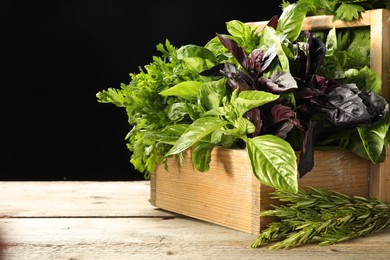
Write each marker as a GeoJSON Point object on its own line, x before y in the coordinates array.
{"type": "Point", "coordinates": [229, 194]}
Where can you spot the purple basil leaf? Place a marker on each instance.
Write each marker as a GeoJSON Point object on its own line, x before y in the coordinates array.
{"type": "Point", "coordinates": [316, 50]}
{"type": "Point", "coordinates": [281, 129]}
{"type": "Point", "coordinates": [281, 112]}
{"type": "Point", "coordinates": [343, 107]}
{"type": "Point", "coordinates": [306, 157]}
{"type": "Point", "coordinates": [255, 63]}
{"type": "Point", "coordinates": [279, 82]}
{"type": "Point", "coordinates": [300, 63]}
{"type": "Point", "coordinates": [254, 116]}
{"type": "Point", "coordinates": [268, 57]}
{"type": "Point", "coordinates": [238, 52]}
{"type": "Point", "coordinates": [306, 93]}
{"type": "Point", "coordinates": [273, 22]}
{"type": "Point", "coordinates": [284, 119]}
{"type": "Point", "coordinates": [377, 106]}
{"type": "Point", "coordinates": [323, 84]}
{"type": "Point", "coordinates": [284, 80]}
{"type": "Point", "coordinates": [237, 78]}
{"type": "Point", "coordinates": [214, 71]}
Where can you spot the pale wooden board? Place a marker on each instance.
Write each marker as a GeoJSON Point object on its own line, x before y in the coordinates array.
{"type": "Point", "coordinates": [156, 238]}
{"type": "Point", "coordinates": [146, 234]}
{"type": "Point", "coordinates": [72, 199]}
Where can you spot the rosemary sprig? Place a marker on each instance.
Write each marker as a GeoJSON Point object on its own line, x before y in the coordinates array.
{"type": "Point", "coordinates": [322, 216]}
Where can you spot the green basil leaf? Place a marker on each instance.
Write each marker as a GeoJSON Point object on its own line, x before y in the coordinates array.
{"type": "Point", "coordinates": [250, 99]}
{"type": "Point", "coordinates": [374, 139]}
{"type": "Point", "coordinates": [236, 28]}
{"type": "Point", "coordinates": [177, 111]}
{"type": "Point", "coordinates": [219, 111]}
{"type": "Point", "coordinates": [243, 126]}
{"type": "Point", "coordinates": [291, 20]}
{"type": "Point", "coordinates": [201, 156]}
{"type": "Point", "coordinates": [331, 41]}
{"type": "Point", "coordinates": [358, 51]}
{"type": "Point", "coordinates": [270, 37]}
{"type": "Point", "coordinates": [172, 133]}
{"type": "Point", "coordinates": [169, 135]}
{"type": "Point", "coordinates": [188, 90]}
{"type": "Point", "coordinates": [331, 68]}
{"type": "Point", "coordinates": [196, 57]}
{"type": "Point", "coordinates": [365, 79]}
{"type": "Point", "coordinates": [273, 162]}
{"type": "Point", "coordinates": [194, 51]}
{"type": "Point", "coordinates": [212, 92]}
{"type": "Point", "coordinates": [195, 132]}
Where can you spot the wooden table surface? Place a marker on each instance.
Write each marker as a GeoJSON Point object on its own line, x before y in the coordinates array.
{"type": "Point", "coordinates": [114, 220]}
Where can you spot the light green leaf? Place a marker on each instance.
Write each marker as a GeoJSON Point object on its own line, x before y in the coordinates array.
{"type": "Point", "coordinates": [244, 125]}
{"type": "Point", "coordinates": [196, 57]}
{"type": "Point", "coordinates": [291, 20]}
{"type": "Point", "coordinates": [187, 90]}
{"type": "Point", "coordinates": [172, 133]}
{"type": "Point", "coordinates": [365, 79]}
{"type": "Point", "coordinates": [236, 28]}
{"type": "Point", "coordinates": [201, 156]}
{"type": "Point", "coordinates": [250, 99]}
{"type": "Point", "coordinates": [177, 111]}
{"type": "Point", "coordinates": [219, 111]}
{"type": "Point", "coordinates": [212, 92]}
{"type": "Point", "coordinates": [271, 37]}
{"type": "Point", "coordinates": [273, 162]}
{"type": "Point", "coordinates": [331, 41]}
{"type": "Point", "coordinates": [195, 132]}
{"type": "Point", "coordinates": [374, 139]}
{"type": "Point", "coordinates": [194, 51]}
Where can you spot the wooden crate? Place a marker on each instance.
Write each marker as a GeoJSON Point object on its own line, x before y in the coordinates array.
{"type": "Point", "coordinates": [229, 195]}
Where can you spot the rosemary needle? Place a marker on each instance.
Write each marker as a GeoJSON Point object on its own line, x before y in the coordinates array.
{"type": "Point", "coordinates": [321, 216]}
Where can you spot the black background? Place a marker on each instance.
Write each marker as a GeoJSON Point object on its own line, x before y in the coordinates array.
{"type": "Point", "coordinates": [55, 57]}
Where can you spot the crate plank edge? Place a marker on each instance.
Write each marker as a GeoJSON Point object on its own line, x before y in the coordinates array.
{"type": "Point", "coordinates": [229, 195]}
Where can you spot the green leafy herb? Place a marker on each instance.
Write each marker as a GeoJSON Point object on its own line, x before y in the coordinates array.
{"type": "Point", "coordinates": [150, 114]}
{"type": "Point", "coordinates": [271, 92]}
{"type": "Point", "coordinates": [345, 10]}
{"type": "Point", "coordinates": [321, 216]}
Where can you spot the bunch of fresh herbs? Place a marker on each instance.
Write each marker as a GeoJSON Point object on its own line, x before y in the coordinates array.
{"type": "Point", "coordinates": [321, 216]}
{"type": "Point", "coordinates": [272, 93]}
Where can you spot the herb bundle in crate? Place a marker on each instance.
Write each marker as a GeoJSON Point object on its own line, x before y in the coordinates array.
{"type": "Point", "coordinates": [281, 104]}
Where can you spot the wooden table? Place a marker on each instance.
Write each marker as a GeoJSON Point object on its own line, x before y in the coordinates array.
{"type": "Point", "coordinates": [114, 220]}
